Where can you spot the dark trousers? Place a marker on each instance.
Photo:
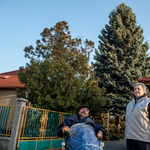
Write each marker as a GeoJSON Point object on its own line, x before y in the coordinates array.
{"type": "Point", "coordinates": [137, 145]}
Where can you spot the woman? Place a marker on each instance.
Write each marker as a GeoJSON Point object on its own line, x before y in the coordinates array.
{"type": "Point", "coordinates": [137, 130]}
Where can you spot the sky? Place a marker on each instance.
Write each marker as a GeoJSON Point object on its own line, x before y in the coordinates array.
{"type": "Point", "coordinates": [22, 21]}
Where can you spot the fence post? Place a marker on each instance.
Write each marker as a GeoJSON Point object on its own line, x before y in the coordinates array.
{"type": "Point", "coordinates": [16, 123]}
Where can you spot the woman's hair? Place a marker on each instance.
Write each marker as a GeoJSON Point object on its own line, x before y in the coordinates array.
{"type": "Point", "coordinates": [144, 87]}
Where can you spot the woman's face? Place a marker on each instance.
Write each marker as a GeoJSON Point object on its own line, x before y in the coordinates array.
{"type": "Point", "coordinates": [138, 90]}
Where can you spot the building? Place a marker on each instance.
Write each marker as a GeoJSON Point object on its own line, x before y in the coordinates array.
{"type": "Point", "coordinates": [145, 81]}
{"type": "Point", "coordinates": [9, 81]}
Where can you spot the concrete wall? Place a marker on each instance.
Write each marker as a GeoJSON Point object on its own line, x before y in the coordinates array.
{"type": "Point", "coordinates": [4, 143]}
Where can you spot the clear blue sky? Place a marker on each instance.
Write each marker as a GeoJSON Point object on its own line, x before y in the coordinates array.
{"type": "Point", "coordinates": [22, 21]}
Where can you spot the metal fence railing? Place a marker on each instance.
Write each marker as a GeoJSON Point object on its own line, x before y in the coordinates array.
{"type": "Point", "coordinates": [6, 119]}
{"type": "Point", "coordinates": [40, 123]}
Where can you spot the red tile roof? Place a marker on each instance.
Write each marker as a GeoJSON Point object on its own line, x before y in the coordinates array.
{"type": "Point", "coordinates": [144, 79]}
{"type": "Point", "coordinates": [10, 80]}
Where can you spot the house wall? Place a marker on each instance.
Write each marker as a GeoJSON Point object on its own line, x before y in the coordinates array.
{"type": "Point", "coordinates": [146, 83]}
{"type": "Point", "coordinates": [7, 97]}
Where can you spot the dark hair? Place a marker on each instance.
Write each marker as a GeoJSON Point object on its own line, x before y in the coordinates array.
{"type": "Point", "coordinates": [85, 105]}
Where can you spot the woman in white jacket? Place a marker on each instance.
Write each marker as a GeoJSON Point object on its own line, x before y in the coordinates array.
{"type": "Point", "coordinates": [137, 130]}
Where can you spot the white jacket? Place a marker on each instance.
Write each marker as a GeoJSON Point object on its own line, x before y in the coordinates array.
{"type": "Point", "coordinates": [137, 120]}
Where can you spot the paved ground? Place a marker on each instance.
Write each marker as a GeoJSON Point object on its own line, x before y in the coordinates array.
{"type": "Point", "coordinates": [114, 145]}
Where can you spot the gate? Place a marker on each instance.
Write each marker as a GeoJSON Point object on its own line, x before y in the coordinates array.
{"type": "Point", "coordinates": [38, 129]}
{"type": "Point", "coordinates": [6, 119]}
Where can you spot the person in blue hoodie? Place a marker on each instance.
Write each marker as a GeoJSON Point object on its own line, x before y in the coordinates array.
{"type": "Point", "coordinates": [81, 117]}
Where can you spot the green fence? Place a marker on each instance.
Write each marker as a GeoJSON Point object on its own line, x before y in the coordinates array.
{"type": "Point", "coordinates": [40, 126]}
{"type": "Point", "coordinates": [6, 119]}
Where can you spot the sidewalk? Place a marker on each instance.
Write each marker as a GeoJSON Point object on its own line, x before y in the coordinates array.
{"type": "Point", "coordinates": [115, 145]}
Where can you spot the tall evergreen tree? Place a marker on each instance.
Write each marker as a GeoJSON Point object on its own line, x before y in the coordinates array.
{"type": "Point", "coordinates": [58, 76]}
{"type": "Point", "coordinates": [121, 58]}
